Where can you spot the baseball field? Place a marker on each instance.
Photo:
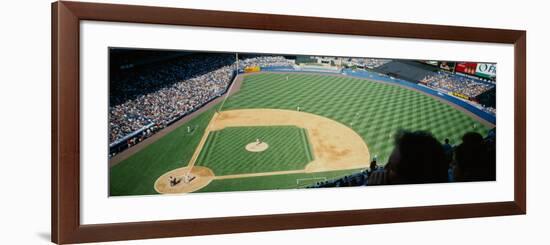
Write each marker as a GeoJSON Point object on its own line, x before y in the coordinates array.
{"type": "Point", "coordinates": [284, 131]}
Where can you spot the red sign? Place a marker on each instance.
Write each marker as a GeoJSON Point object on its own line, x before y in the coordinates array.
{"type": "Point", "coordinates": [466, 67]}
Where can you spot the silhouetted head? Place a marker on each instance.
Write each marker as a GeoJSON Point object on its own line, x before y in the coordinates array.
{"type": "Point", "coordinates": [373, 165]}
{"type": "Point", "coordinates": [417, 158]}
{"type": "Point", "coordinates": [475, 161]}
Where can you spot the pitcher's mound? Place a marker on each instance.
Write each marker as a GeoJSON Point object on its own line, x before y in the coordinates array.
{"type": "Point", "coordinates": [257, 147]}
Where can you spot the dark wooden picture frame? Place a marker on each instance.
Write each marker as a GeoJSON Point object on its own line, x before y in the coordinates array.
{"type": "Point", "coordinates": [66, 226]}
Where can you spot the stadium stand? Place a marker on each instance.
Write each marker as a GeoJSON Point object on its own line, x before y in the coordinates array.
{"type": "Point", "coordinates": [160, 93]}
{"type": "Point", "coordinates": [120, 58]}
{"type": "Point", "coordinates": [368, 62]}
{"type": "Point", "coordinates": [264, 61]}
{"type": "Point", "coordinates": [456, 84]}
{"type": "Point", "coordinates": [147, 97]}
{"type": "Point", "coordinates": [488, 100]}
{"type": "Point", "coordinates": [407, 70]}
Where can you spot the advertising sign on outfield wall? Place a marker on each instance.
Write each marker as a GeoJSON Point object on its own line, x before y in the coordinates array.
{"type": "Point", "coordinates": [486, 70]}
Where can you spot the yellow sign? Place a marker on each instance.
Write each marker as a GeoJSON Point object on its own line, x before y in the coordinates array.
{"type": "Point", "coordinates": [460, 95]}
{"type": "Point", "coordinates": [252, 69]}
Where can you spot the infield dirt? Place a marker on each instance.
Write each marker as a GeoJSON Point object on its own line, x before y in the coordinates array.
{"type": "Point", "coordinates": [335, 146]}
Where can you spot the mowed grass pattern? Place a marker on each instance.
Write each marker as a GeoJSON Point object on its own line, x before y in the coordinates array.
{"type": "Point", "coordinates": [376, 110]}
{"type": "Point", "coordinates": [224, 150]}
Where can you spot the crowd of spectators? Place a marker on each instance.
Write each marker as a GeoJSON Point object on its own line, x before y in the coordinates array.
{"type": "Point", "coordinates": [265, 61]}
{"type": "Point", "coordinates": [456, 84]}
{"type": "Point", "coordinates": [419, 158]}
{"type": "Point", "coordinates": [489, 110]}
{"type": "Point", "coordinates": [151, 97]}
{"type": "Point", "coordinates": [161, 93]}
{"type": "Point", "coordinates": [372, 63]}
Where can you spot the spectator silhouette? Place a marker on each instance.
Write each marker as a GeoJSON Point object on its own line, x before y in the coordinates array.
{"type": "Point", "coordinates": [475, 159]}
{"type": "Point", "coordinates": [417, 158]}
{"type": "Point", "coordinates": [373, 166]}
{"type": "Point", "coordinates": [448, 149]}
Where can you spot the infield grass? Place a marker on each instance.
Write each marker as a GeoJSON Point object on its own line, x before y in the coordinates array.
{"type": "Point", "coordinates": [224, 151]}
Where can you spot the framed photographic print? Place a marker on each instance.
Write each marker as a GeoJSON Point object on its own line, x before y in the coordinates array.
{"type": "Point", "coordinates": [177, 122]}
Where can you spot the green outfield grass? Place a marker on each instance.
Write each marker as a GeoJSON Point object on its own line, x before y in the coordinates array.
{"type": "Point", "coordinates": [376, 110]}
{"type": "Point", "coordinates": [224, 151]}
